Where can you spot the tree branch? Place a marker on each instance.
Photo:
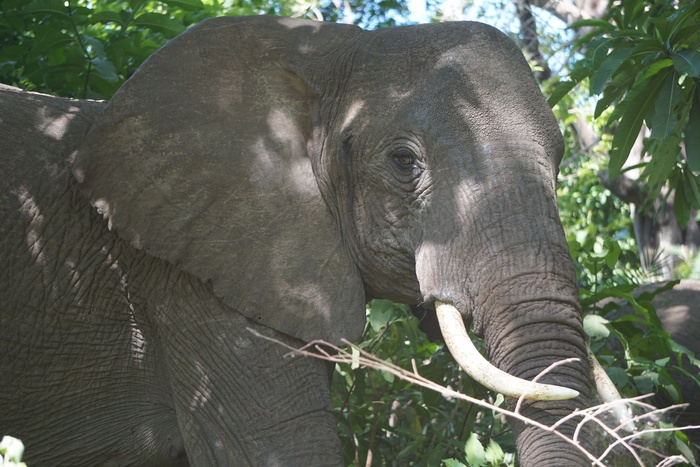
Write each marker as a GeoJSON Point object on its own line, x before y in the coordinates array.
{"type": "Point", "coordinates": [531, 44]}
{"type": "Point", "coordinates": [325, 351]}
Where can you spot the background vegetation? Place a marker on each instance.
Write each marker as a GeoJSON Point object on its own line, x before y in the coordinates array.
{"type": "Point", "coordinates": [624, 82]}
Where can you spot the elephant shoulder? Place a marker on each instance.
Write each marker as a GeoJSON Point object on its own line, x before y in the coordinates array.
{"type": "Point", "coordinates": [39, 134]}
{"type": "Point", "coordinates": [38, 138]}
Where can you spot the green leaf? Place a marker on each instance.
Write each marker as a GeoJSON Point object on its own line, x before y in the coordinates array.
{"type": "Point", "coordinates": [618, 376]}
{"type": "Point", "coordinates": [648, 47]}
{"type": "Point", "coordinates": [500, 399]}
{"type": "Point", "coordinates": [664, 121]}
{"type": "Point", "coordinates": [663, 162]}
{"type": "Point", "coordinates": [380, 312]}
{"type": "Point", "coordinates": [681, 208]}
{"type": "Point", "coordinates": [662, 362]}
{"type": "Point", "coordinates": [52, 39]}
{"type": "Point", "coordinates": [611, 63]}
{"type": "Point", "coordinates": [96, 46]}
{"type": "Point", "coordinates": [476, 456]}
{"type": "Point", "coordinates": [621, 82]}
{"type": "Point", "coordinates": [682, 447]}
{"type": "Point", "coordinates": [105, 70]}
{"type": "Point", "coordinates": [614, 251]}
{"type": "Point", "coordinates": [691, 189]}
{"type": "Point", "coordinates": [595, 326]}
{"type": "Point", "coordinates": [663, 28]}
{"type": "Point", "coordinates": [561, 89]}
{"type": "Point", "coordinates": [47, 6]}
{"type": "Point", "coordinates": [692, 136]}
{"type": "Point", "coordinates": [638, 103]}
{"type": "Point", "coordinates": [160, 23]}
{"type": "Point", "coordinates": [186, 4]}
{"type": "Point", "coordinates": [599, 23]}
{"type": "Point", "coordinates": [687, 62]}
{"type": "Point", "coordinates": [494, 453]}
{"type": "Point", "coordinates": [598, 51]}
{"type": "Point", "coordinates": [629, 34]}
{"type": "Point", "coordinates": [105, 17]}
{"type": "Point", "coordinates": [645, 383]}
{"type": "Point", "coordinates": [685, 36]}
{"type": "Point", "coordinates": [452, 463]}
{"type": "Point", "coordinates": [136, 5]}
{"type": "Point", "coordinates": [656, 67]}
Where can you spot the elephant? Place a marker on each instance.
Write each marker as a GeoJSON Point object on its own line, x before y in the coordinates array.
{"type": "Point", "coordinates": [276, 174]}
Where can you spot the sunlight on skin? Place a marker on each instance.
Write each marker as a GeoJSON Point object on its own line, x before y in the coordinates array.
{"type": "Point", "coordinates": [30, 210]}
{"type": "Point", "coordinates": [55, 127]}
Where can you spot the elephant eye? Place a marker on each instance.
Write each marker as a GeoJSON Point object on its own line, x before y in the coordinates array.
{"type": "Point", "coordinates": [405, 159]}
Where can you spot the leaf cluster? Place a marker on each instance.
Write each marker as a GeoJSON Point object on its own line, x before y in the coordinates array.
{"type": "Point", "coordinates": [399, 423]}
{"type": "Point", "coordinates": [643, 61]}
{"type": "Point", "coordinates": [638, 354]}
{"type": "Point", "coordinates": [598, 226]}
{"type": "Point", "coordinates": [87, 49]}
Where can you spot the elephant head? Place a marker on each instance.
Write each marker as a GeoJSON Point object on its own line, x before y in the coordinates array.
{"type": "Point", "coordinates": [303, 168]}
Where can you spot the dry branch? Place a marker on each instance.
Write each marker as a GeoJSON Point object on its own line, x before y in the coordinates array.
{"type": "Point", "coordinates": [358, 357]}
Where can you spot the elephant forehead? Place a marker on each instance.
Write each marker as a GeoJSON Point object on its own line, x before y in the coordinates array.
{"type": "Point", "coordinates": [434, 74]}
{"type": "Point", "coordinates": [428, 40]}
{"type": "Point", "coordinates": [413, 50]}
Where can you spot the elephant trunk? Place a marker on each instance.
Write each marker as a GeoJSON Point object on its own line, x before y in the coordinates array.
{"type": "Point", "coordinates": [502, 261]}
{"type": "Point", "coordinates": [530, 336]}
{"type": "Point", "coordinates": [525, 335]}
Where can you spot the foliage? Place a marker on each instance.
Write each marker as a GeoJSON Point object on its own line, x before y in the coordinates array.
{"type": "Point", "coordinates": [399, 423]}
{"type": "Point", "coordinates": [624, 53]}
{"type": "Point", "coordinates": [645, 59]}
{"type": "Point", "coordinates": [598, 225]}
{"type": "Point", "coordinates": [82, 48]}
{"type": "Point", "coordinates": [689, 267]}
{"type": "Point", "coordinates": [639, 356]}
{"type": "Point", "coordinates": [599, 234]}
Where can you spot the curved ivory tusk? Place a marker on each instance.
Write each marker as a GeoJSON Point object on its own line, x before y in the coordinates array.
{"type": "Point", "coordinates": [603, 384]}
{"type": "Point", "coordinates": [476, 366]}
{"type": "Point", "coordinates": [608, 393]}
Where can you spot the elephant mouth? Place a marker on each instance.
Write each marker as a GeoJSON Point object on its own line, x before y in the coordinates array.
{"type": "Point", "coordinates": [454, 332]}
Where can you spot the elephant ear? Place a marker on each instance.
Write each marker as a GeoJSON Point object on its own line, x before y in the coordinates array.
{"type": "Point", "coordinates": [202, 159]}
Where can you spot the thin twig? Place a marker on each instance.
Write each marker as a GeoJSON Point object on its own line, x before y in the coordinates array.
{"type": "Point", "coordinates": [318, 349]}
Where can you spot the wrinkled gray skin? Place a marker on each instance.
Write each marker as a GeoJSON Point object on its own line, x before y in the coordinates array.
{"type": "Point", "coordinates": [272, 174]}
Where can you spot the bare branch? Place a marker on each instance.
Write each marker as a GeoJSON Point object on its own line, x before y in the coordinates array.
{"type": "Point", "coordinates": [331, 353]}
{"type": "Point", "coordinates": [531, 44]}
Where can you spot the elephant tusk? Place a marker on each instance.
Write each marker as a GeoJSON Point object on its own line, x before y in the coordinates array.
{"type": "Point", "coordinates": [606, 388]}
{"type": "Point", "coordinates": [476, 366]}
{"type": "Point", "coordinates": [608, 393]}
